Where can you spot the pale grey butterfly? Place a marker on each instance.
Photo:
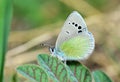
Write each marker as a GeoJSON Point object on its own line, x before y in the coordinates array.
{"type": "Point", "coordinates": [74, 42]}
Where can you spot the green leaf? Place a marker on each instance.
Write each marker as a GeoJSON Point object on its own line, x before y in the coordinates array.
{"type": "Point", "coordinates": [54, 68]}
{"type": "Point", "coordinates": [5, 22]}
{"type": "Point", "coordinates": [100, 76]}
{"type": "Point", "coordinates": [79, 71]}
{"type": "Point", "coordinates": [59, 72]}
{"type": "Point", "coordinates": [71, 77]}
{"type": "Point", "coordinates": [33, 72]}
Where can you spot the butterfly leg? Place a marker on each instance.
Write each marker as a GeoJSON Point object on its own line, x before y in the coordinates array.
{"type": "Point", "coordinates": [64, 62]}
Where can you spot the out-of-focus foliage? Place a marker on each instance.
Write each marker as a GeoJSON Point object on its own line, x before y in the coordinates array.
{"type": "Point", "coordinates": [40, 12]}
{"type": "Point", "coordinates": [40, 21]}
{"type": "Point", "coordinates": [33, 13]}
{"type": "Point", "coordinates": [99, 4]}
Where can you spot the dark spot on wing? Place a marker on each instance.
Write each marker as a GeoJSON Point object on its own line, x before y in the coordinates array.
{"type": "Point", "coordinates": [79, 31]}
{"type": "Point", "coordinates": [69, 23]}
{"type": "Point", "coordinates": [73, 23]}
{"type": "Point", "coordinates": [67, 32]}
{"type": "Point", "coordinates": [76, 25]}
{"type": "Point", "coordinates": [79, 27]}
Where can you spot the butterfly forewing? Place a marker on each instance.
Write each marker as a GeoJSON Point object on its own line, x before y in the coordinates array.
{"type": "Point", "coordinates": [71, 28]}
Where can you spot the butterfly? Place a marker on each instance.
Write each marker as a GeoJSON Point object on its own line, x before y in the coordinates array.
{"type": "Point", "coordinates": [74, 42]}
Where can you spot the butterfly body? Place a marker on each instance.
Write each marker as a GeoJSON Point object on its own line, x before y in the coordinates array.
{"type": "Point", "coordinates": [74, 42]}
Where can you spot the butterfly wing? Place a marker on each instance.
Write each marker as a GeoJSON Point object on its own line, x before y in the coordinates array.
{"type": "Point", "coordinates": [79, 47]}
{"type": "Point", "coordinates": [74, 38]}
{"type": "Point", "coordinates": [73, 24]}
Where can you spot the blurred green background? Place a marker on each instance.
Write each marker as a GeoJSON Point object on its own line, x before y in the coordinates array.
{"type": "Point", "coordinates": [39, 21]}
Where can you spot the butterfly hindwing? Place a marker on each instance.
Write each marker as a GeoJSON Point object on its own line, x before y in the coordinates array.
{"type": "Point", "coordinates": [78, 47]}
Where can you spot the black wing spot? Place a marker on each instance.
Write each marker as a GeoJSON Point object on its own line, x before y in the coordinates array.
{"type": "Point", "coordinates": [67, 32]}
{"type": "Point", "coordinates": [79, 31]}
{"type": "Point", "coordinates": [76, 25]}
{"type": "Point", "coordinates": [79, 27]}
{"type": "Point", "coordinates": [73, 23]}
{"type": "Point", "coordinates": [69, 23]}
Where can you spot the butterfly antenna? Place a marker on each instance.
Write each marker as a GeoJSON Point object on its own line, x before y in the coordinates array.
{"type": "Point", "coordinates": [45, 45]}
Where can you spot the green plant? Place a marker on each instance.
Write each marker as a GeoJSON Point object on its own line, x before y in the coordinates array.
{"type": "Point", "coordinates": [51, 69]}
{"type": "Point", "coordinates": [5, 20]}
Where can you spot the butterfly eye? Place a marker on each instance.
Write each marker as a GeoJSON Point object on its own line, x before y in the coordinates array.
{"type": "Point", "coordinates": [51, 50]}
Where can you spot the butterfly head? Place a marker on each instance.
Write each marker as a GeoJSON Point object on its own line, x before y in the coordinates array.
{"type": "Point", "coordinates": [51, 49]}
